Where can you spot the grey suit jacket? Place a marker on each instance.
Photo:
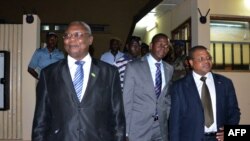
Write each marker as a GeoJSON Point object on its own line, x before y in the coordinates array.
{"type": "Point", "coordinates": [140, 100]}
{"type": "Point", "coordinates": [59, 116]}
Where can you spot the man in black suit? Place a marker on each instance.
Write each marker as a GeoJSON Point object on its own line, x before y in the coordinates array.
{"type": "Point", "coordinates": [192, 116]}
{"type": "Point", "coordinates": [66, 113]}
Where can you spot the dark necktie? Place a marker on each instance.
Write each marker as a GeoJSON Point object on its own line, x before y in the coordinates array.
{"type": "Point", "coordinates": [207, 103]}
{"type": "Point", "coordinates": [78, 80]}
{"type": "Point", "coordinates": [158, 80]}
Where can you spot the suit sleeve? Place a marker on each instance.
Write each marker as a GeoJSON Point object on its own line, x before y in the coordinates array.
{"type": "Point", "coordinates": [128, 95]}
{"type": "Point", "coordinates": [233, 115]}
{"type": "Point", "coordinates": [42, 113]}
{"type": "Point", "coordinates": [174, 119]}
{"type": "Point", "coordinates": [118, 109]}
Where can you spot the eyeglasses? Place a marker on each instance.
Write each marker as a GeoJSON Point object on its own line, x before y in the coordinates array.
{"type": "Point", "coordinates": [203, 59]}
{"type": "Point", "coordinates": [76, 35]}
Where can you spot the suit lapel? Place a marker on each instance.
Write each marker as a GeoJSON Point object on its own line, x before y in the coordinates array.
{"type": "Point", "coordinates": [93, 75]}
{"type": "Point", "coordinates": [67, 81]}
{"type": "Point", "coordinates": [146, 72]}
{"type": "Point", "coordinates": [166, 75]}
{"type": "Point", "coordinates": [192, 89]}
{"type": "Point", "coordinates": [218, 93]}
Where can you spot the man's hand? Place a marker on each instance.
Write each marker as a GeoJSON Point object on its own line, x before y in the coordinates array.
{"type": "Point", "coordinates": [220, 134]}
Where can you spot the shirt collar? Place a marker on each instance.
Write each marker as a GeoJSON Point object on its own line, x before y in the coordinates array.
{"type": "Point", "coordinates": [152, 59]}
{"type": "Point", "coordinates": [197, 76]}
{"type": "Point", "coordinates": [71, 61]}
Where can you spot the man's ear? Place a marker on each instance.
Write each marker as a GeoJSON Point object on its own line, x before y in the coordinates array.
{"type": "Point", "coordinates": [90, 40]}
{"type": "Point", "coordinates": [190, 61]}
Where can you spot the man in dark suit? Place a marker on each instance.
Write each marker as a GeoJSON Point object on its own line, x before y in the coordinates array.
{"type": "Point", "coordinates": [189, 119]}
{"type": "Point", "coordinates": [146, 101]}
{"type": "Point", "coordinates": [66, 113]}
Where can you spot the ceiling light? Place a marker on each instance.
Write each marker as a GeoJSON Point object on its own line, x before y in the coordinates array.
{"type": "Point", "coordinates": [151, 26]}
{"type": "Point", "coordinates": [226, 25]}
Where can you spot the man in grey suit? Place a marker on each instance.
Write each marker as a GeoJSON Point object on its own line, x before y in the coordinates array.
{"type": "Point", "coordinates": [69, 109]}
{"type": "Point", "coordinates": [147, 107]}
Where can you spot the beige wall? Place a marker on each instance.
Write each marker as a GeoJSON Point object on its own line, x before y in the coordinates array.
{"type": "Point", "coordinates": [11, 120]}
{"type": "Point", "coordinates": [31, 41]}
{"type": "Point", "coordinates": [181, 13]}
{"type": "Point", "coordinates": [229, 7]}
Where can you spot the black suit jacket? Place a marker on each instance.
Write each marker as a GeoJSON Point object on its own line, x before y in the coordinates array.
{"type": "Point", "coordinates": [59, 116]}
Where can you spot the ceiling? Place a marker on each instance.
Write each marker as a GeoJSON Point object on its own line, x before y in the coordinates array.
{"type": "Point", "coordinates": [159, 10]}
{"type": "Point", "coordinates": [119, 14]}
{"type": "Point", "coordinates": [166, 5]}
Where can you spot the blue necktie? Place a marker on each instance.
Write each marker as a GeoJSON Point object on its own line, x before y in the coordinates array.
{"type": "Point", "coordinates": [158, 80]}
{"type": "Point", "coordinates": [78, 80]}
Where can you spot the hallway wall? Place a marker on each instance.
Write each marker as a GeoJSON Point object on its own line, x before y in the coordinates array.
{"type": "Point", "coordinates": [10, 120]}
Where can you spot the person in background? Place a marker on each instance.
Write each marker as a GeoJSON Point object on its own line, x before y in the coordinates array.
{"type": "Point", "coordinates": [72, 102]}
{"type": "Point", "coordinates": [169, 58]}
{"type": "Point", "coordinates": [114, 53]}
{"type": "Point", "coordinates": [43, 57]}
{"type": "Point", "coordinates": [202, 102]}
{"type": "Point", "coordinates": [145, 96]}
{"type": "Point", "coordinates": [133, 52]}
{"type": "Point", "coordinates": [179, 63]}
{"type": "Point", "coordinates": [144, 49]}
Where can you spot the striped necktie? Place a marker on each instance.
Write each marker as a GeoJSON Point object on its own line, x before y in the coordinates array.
{"type": "Point", "coordinates": [78, 80]}
{"type": "Point", "coordinates": [158, 81]}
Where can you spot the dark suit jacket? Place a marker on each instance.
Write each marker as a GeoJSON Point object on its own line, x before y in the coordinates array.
{"type": "Point", "coordinates": [186, 116]}
{"type": "Point", "coordinates": [59, 116]}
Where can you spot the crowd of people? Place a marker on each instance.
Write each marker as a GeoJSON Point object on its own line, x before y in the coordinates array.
{"type": "Point", "coordinates": [148, 92]}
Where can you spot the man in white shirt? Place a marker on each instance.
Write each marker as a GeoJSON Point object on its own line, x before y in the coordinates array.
{"type": "Point", "coordinates": [192, 116]}
{"type": "Point", "coordinates": [114, 53]}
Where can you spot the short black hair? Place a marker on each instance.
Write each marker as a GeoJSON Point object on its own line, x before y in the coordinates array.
{"type": "Point", "coordinates": [157, 36]}
{"type": "Point", "coordinates": [134, 39]}
{"type": "Point", "coordinates": [144, 45]}
{"type": "Point", "coordinates": [193, 49]}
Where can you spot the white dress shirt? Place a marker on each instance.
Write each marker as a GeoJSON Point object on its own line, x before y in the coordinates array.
{"type": "Point", "coordinates": [151, 62]}
{"type": "Point", "coordinates": [108, 57]}
{"type": "Point", "coordinates": [211, 88]}
{"type": "Point", "coordinates": [86, 70]}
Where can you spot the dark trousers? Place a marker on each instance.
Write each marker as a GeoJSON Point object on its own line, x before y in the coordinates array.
{"type": "Point", "coordinates": [210, 138]}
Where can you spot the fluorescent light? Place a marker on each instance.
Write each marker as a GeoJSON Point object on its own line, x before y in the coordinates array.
{"type": "Point", "coordinates": [247, 4]}
{"type": "Point", "coordinates": [146, 20]}
{"type": "Point", "coordinates": [151, 25]}
{"type": "Point", "coordinates": [226, 25]}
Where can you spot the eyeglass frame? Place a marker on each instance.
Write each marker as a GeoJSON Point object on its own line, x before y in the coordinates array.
{"type": "Point", "coordinates": [75, 35]}
{"type": "Point", "coordinates": [202, 59]}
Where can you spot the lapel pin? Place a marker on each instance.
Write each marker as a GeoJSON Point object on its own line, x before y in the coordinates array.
{"type": "Point", "coordinates": [93, 74]}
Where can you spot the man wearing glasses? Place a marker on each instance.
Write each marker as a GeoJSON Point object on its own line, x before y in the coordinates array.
{"type": "Point", "coordinates": [202, 102]}
{"type": "Point", "coordinates": [79, 98]}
